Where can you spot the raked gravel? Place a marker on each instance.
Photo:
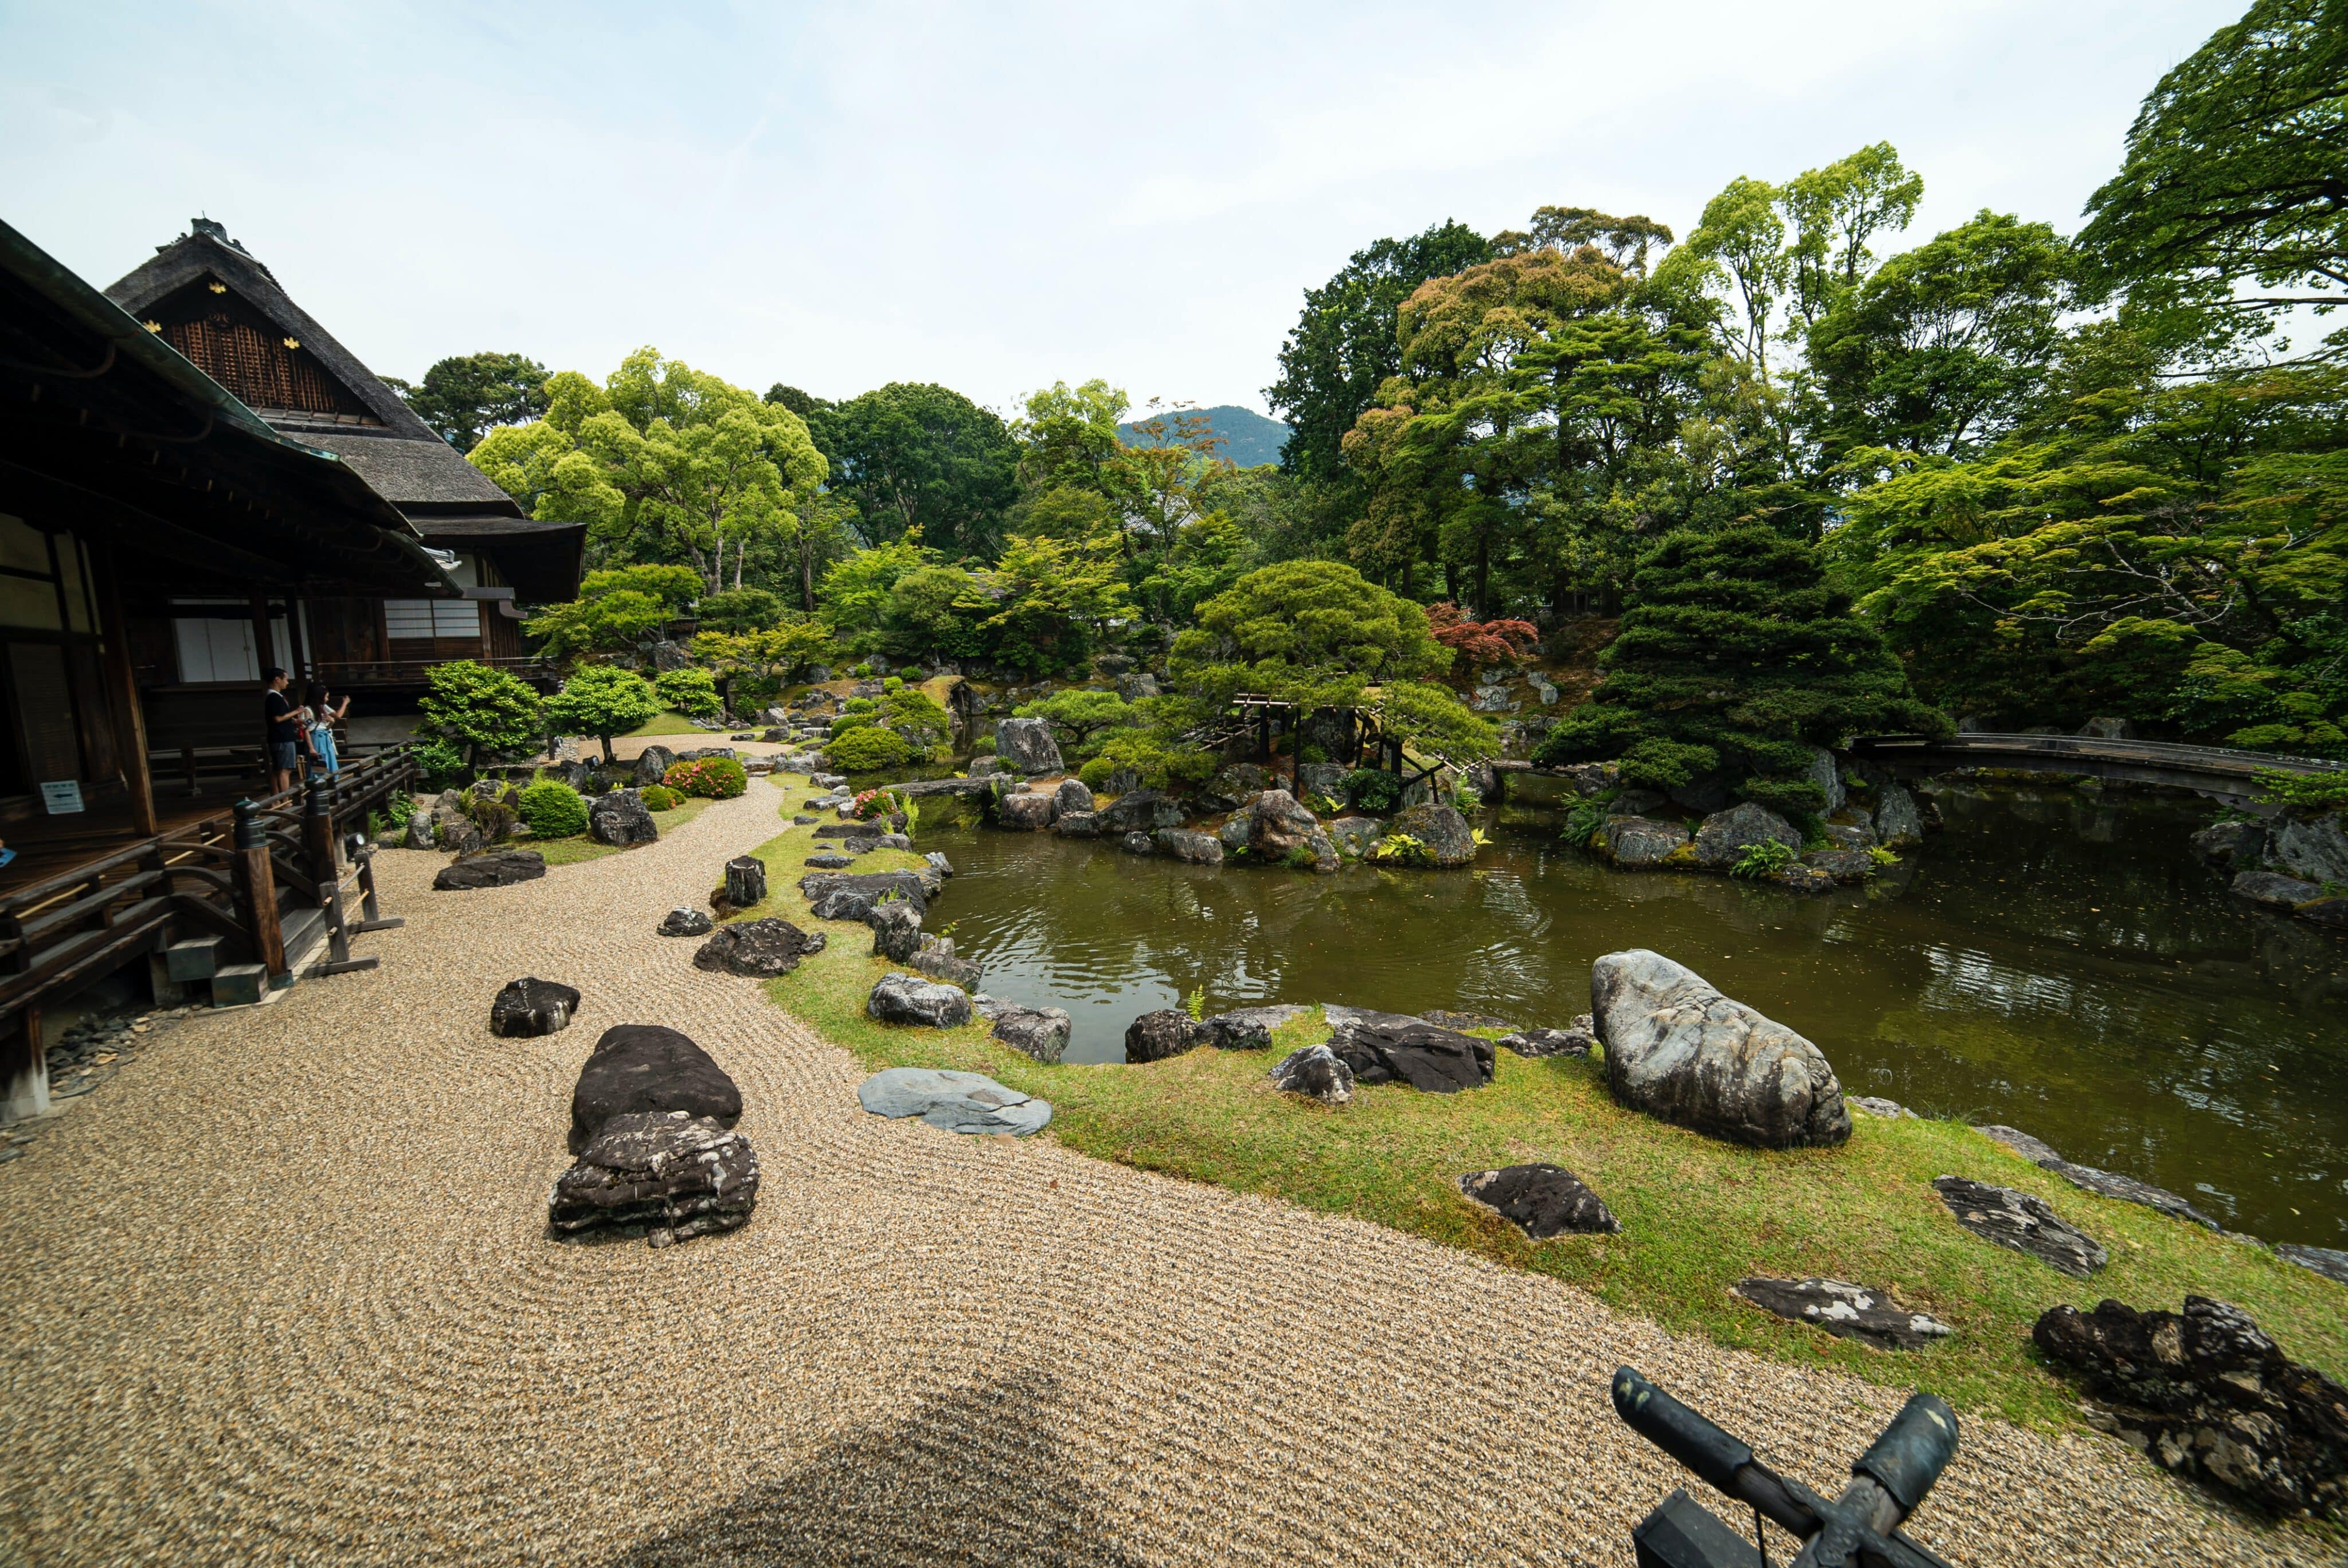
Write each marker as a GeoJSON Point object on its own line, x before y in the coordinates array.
{"type": "Point", "coordinates": [283, 1293]}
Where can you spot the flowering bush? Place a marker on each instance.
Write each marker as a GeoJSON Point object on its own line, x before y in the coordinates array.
{"type": "Point", "coordinates": [715, 778]}
{"type": "Point", "coordinates": [874, 803]}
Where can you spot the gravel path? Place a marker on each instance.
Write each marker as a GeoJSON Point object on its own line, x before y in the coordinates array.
{"type": "Point", "coordinates": [280, 1294]}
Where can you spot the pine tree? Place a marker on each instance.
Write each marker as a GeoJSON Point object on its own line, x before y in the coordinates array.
{"type": "Point", "coordinates": [1735, 657]}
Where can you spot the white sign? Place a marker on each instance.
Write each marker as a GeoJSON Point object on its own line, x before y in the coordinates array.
{"type": "Point", "coordinates": [62, 798]}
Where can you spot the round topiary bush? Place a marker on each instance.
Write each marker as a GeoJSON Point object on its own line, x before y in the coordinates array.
{"type": "Point", "coordinates": [714, 778]}
{"type": "Point", "coordinates": [1095, 774]}
{"type": "Point", "coordinates": [866, 750]}
{"type": "Point", "coordinates": [659, 797]}
{"type": "Point", "coordinates": [552, 808]}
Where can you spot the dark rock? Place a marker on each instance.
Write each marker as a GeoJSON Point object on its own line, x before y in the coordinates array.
{"type": "Point", "coordinates": [674, 1174]}
{"type": "Point", "coordinates": [1039, 1032]}
{"type": "Point", "coordinates": [685, 921]}
{"type": "Point", "coordinates": [419, 834]}
{"type": "Point", "coordinates": [896, 931]}
{"type": "Point", "coordinates": [1852, 1311]}
{"type": "Point", "coordinates": [1025, 745]}
{"type": "Point", "coordinates": [1135, 686]}
{"type": "Point", "coordinates": [939, 961]}
{"type": "Point", "coordinates": [1898, 822]}
{"type": "Point", "coordinates": [1382, 1048]}
{"type": "Point", "coordinates": [1678, 1050]}
{"type": "Point", "coordinates": [957, 1101]}
{"type": "Point", "coordinates": [828, 861]}
{"type": "Point", "coordinates": [2270, 890]}
{"type": "Point", "coordinates": [1860, 835]}
{"type": "Point", "coordinates": [839, 895]}
{"type": "Point", "coordinates": [1802, 878]}
{"type": "Point", "coordinates": [2108, 1184]}
{"type": "Point", "coordinates": [2206, 1394]}
{"type": "Point", "coordinates": [1077, 824]}
{"type": "Point", "coordinates": [2233, 845]}
{"type": "Point", "coordinates": [760, 949]}
{"type": "Point", "coordinates": [532, 1007]}
{"type": "Point", "coordinates": [1031, 812]}
{"type": "Point", "coordinates": [2021, 1223]}
{"type": "Point", "coordinates": [652, 765]}
{"type": "Point", "coordinates": [1639, 843]}
{"type": "Point", "coordinates": [850, 830]}
{"type": "Point", "coordinates": [2310, 845]}
{"type": "Point", "coordinates": [1198, 848]}
{"type": "Point", "coordinates": [1170, 1032]}
{"type": "Point", "coordinates": [1575, 1039]}
{"type": "Point", "coordinates": [2328, 1262]}
{"type": "Point", "coordinates": [745, 881]}
{"type": "Point", "coordinates": [493, 868]}
{"type": "Point", "coordinates": [1354, 836]}
{"type": "Point", "coordinates": [1278, 825]}
{"type": "Point", "coordinates": [1137, 844]}
{"type": "Point", "coordinates": [1705, 794]}
{"type": "Point", "coordinates": [1139, 811]}
{"type": "Point", "coordinates": [1442, 829]}
{"type": "Point", "coordinates": [2327, 912]}
{"type": "Point", "coordinates": [902, 999]}
{"type": "Point", "coordinates": [1541, 1200]}
{"type": "Point", "coordinates": [620, 819]}
{"type": "Point", "coordinates": [639, 1067]}
{"type": "Point", "coordinates": [1245, 1028]}
{"type": "Point", "coordinates": [1634, 802]}
{"type": "Point", "coordinates": [1072, 795]}
{"type": "Point", "coordinates": [1842, 864]}
{"type": "Point", "coordinates": [1442, 1017]}
{"type": "Point", "coordinates": [939, 862]}
{"type": "Point", "coordinates": [1316, 1072]}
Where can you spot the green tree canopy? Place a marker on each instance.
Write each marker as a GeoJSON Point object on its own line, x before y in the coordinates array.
{"type": "Point", "coordinates": [480, 709]}
{"type": "Point", "coordinates": [464, 397]}
{"type": "Point", "coordinates": [602, 700]}
{"type": "Point", "coordinates": [917, 458]}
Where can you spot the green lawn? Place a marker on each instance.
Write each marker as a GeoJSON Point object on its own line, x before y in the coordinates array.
{"type": "Point", "coordinates": [1696, 1215]}
{"type": "Point", "coordinates": [569, 851]}
{"type": "Point", "coordinates": [666, 722]}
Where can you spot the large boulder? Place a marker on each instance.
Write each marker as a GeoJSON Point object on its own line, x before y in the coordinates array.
{"type": "Point", "coordinates": [1277, 825]}
{"type": "Point", "coordinates": [1724, 837]}
{"type": "Point", "coordinates": [2207, 1394]}
{"type": "Point", "coordinates": [759, 949]}
{"type": "Point", "coordinates": [1326, 780]}
{"type": "Point", "coordinates": [896, 931]}
{"type": "Point", "coordinates": [1442, 829]}
{"type": "Point", "coordinates": [1638, 843]}
{"type": "Point", "coordinates": [2233, 845]}
{"type": "Point", "coordinates": [652, 765]}
{"type": "Point", "coordinates": [1040, 1032]}
{"type": "Point", "coordinates": [496, 868]}
{"type": "Point", "coordinates": [2270, 890]}
{"type": "Point", "coordinates": [1541, 1200]}
{"type": "Point", "coordinates": [1850, 1311]}
{"type": "Point", "coordinates": [957, 1101]}
{"type": "Point", "coordinates": [1385, 1047]}
{"type": "Point", "coordinates": [1898, 822]}
{"type": "Point", "coordinates": [1168, 1032]}
{"type": "Point", "coordinates": [1678, 1050]}
{"type": "Point", "coordinates": [1077, 824]}
{"type": "Point", "coordinates": [2023, 1223]}
{"type": "Point", "coordinates": [1198, 848]}
{"type": "Point", "coordinates": [1072, 795]}
{"type": "Point", "coordinates": [850, 895]}
{"type": "Point", "coordinates": [1316, 1072]}
{"type": "Point", "coordinates": [1029, 812]}
{"type": "Point", "coordinates": [532, 1007]}
{"type": "Point", "coordinates": [620, 819]}
{"type": "Point", "coordinates": [1247, 1028]}
{"type": "Point", "coordinates": [1233, 786]}
{"type": "Point", "coordinates": [1826, 774]}
{"type": "Point", "coordinates": [1139, 810]}
{"type": "Point", "coordinates": [1354, 836]}
{"type": "Point", "coordinates": [936, 958]}
{"type": "Point", "coordinates": [639, 1067]}
{"type": "Point", "coordinates": [2310, 846]}
{"type": "Point", "coordinates": [670, 1173]}
{"type": "Point", "coordinates": [1026, 746]}
{"type": "Point", "coordinates": [419, 834]}
{"type": "Point", "coordinates": [902, 999]}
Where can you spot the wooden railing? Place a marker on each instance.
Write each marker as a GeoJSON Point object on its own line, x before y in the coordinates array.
{"type": "Point", "coordinates": [340, 674]}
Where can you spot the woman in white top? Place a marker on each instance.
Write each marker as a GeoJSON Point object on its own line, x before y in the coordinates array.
{"type": "Point", "coordinates": [324, 714]}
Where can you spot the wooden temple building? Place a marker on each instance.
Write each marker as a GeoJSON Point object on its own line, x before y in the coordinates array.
{"type": "Point", "coordinates": [160, 540]}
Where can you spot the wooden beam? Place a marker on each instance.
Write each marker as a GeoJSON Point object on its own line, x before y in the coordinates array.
{"type": "Point", "coordinates": [122, 693]}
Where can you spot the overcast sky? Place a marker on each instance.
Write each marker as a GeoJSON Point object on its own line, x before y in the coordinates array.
{"type": "Point", "coordinates": [990, 197]}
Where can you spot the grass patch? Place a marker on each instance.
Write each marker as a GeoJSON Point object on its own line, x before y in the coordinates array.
{"type": "Point", "coordinates": [1697, 1215]}
{"type": "Point", "coordinates": [666, 722]}
{"type": "Point", "coordinates": [571, 851]}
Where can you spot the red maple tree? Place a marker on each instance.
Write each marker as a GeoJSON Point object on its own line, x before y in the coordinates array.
{"type": "Point", "coordinates": [1481, 642]}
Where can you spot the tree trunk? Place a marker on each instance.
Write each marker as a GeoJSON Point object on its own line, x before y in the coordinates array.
{"type": "Point", "coordinates": [609, 760]}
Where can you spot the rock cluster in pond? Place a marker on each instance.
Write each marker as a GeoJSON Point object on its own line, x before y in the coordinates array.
{"type": "Point", "coordinates": [1316, 1072]}
{"type": "Point", "coordinates": [620, 819]}
{"type": "Point", "coordinates": [1386, 1047]}
{"type": "Point", "coordinates": [903, 999]}
{"type": "Point", "coordinates": [2108, 1184]}
{"type": "Point", "coordinates": [2207, 1394]}
{"type": "Point", "coordinates": [2285, 863]}
{"type": "Point", "coordinates": [936, 957]}
{"type": "Point", "coordinates": [1040, 1032]}
{"type": "Point", "coordinates": [1725, 836]}
{"type": "Point", "coordinates": [1678, 1050]}
{"type": "Point", "coordinates": [493, 868]}
{"type": "Point", "coordinates": [1450, 842]}
{"type": "Point", "coordinates": [1030, 811]}
{"type": "Point", "coordinates": [1026, 746]}
{"type": "Point", "coordinates": [670, 1175]}
{"type": "Point", "coordinates": [1574, 1040]}
{"type": "Point", "coordinates": [1852, 1311]}
{"type": "Point", "coordinates": [638, 1067]}
{"type": "Point", "coordinates": [2020, 1223]}
{"type": "Point", "coordinates": [759, 949]}
{"type": "Point", "coordinates": [684, 920]}
{"type": "Point", "coordinates": [532, 1007]}
{"type": "Point", "coordinates": [1197, 848]}
{"type": "Point", "coordinates": [957, 1101]}
{"type": "Point", "coordinates": [1541, 1200]}
{"type": "Point", "coordinates": [1640, 843]}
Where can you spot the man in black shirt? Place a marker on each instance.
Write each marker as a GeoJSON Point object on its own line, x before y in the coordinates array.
{"type": "Point", "coordinates": [283, 720]}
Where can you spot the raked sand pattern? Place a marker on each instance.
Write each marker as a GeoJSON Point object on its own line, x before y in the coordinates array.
{"type": "Point", "coordinates": [281, 1292]}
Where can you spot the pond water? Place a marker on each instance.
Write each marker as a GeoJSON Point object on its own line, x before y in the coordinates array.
{"type": "Point", "coordinates": [2053, 961]}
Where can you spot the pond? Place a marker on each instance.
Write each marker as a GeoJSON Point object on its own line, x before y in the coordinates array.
{"type": "Point", "coordinates": [2053, 961]}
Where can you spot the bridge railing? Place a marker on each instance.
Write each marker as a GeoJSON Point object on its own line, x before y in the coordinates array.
{"type": "Point", "coordinates": [2202, 759]}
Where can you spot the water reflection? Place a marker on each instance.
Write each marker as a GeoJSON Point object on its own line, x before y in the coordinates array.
{"type": "Point", "coordinates": [2053, 961]}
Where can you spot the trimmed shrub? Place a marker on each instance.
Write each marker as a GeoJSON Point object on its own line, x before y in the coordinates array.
{"type": "Point", "coordinates": [1374, 790]}
{"type": "Point", "coordinates": [660, 797]}
{"type": "Point", "coordinates": [553, 809]}
{"type": "Point", "coordinates": [690, 691]}
{"type": "Point", "coordinates": [713, 778]}
{"type": "Point", "coordinates": [866, 750]}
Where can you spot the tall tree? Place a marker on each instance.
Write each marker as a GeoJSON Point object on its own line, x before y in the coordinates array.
{"type": "Point", "coordinates": [466, 396]}
{"type": "Point", "coordinates": [1344, 346]}
{"type": "Point", "coordinates": [918, 457]}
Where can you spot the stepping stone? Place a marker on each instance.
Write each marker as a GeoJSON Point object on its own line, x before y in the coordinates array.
{"type": "Point", "coordinates": [1852, 1311]}
{"type": "Point", "coordinates": [685, 921]}
{"type": "Point", "coordinates": [829, 861]}
{"type": "Point", "coordinates": [239, 985]}
{"type": "Point", "coordinates": [957, 1101]}
{"type": "Point", "coordinates": [675, 1175]}
{"type": "Point", "coordinates": [1541, 1200]}
{"type": "Point", "coordinates": [2020, 1223]}
{"type": "Point", "coordinates": [2088, 1178]}
{"type": "Point", "coordinates": [532, 1007]}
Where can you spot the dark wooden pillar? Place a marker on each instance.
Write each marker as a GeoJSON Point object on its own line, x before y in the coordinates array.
{"type": "Point", "coordinates": [122, 695]}
{"type": "Point", "coordinates": [299, 662]}
{"type": "Point", "coordinates": [265, 645]}
{"type": "Point", "coordinates": [24, 1067]}
{"type": "Point", "coordinates": [256, 891]}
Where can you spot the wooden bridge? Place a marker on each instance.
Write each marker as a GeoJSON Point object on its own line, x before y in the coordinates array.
{"type": "Point", "coordinates": [239, 903]}
{"type": "Point", "coordinates": [2215, 771]}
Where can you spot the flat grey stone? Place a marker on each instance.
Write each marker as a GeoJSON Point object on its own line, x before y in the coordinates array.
{"type": "Point", "coordinates": [2088, 1178]}
{"type": "Point", "coordinates": [957, 1101]}
{"type": "Point", "coordinates": [2020, 1223]}
{"type": "Point", "coordinates": [2328, 1262]}
{"type": "Point", "coordinates": [1873, 1106]}
{"type": "Point", "coordinates": [1541, 1200]}
{"type": "Point", "coordinates": [1852, 1311]}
